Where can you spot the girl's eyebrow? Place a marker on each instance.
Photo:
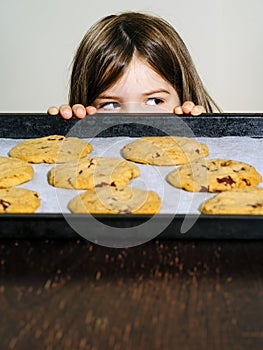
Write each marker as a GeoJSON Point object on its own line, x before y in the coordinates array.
{"type": "Point", "coordinates": [148, 93]}
{"type": "Point", "coordinates": [156, 92]}
{"type": "Point", "coordinates": [107, 97]}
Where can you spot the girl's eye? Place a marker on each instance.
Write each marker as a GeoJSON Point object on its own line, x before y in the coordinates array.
{"type": "Point", "coordinates": [109, 105]}
{"type": "Point", "coordinates": [154, 101]}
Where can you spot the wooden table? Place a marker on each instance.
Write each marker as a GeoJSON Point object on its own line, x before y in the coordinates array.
{"type": "Point", "coordinates": [71, 294]}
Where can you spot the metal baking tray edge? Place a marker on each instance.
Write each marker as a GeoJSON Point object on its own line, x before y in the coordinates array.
{"type": "Point", "coordinates": [56, 226]}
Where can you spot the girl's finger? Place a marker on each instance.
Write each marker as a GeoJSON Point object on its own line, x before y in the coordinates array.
{"type": "Point", "coordinates": [197, 110]}
{"type": "Point", "coordinates": [178, 110]}
{"type": "Point", "coordinates": [187, 107]}
{"type": "Point", "coordinates": [79, 111]}
{"type": "Point", "coordinates": [91, 110]}
{"type": "Point", "coordinates": [53, 110]}
{"type": "Point", "coordinates": [65, 111]}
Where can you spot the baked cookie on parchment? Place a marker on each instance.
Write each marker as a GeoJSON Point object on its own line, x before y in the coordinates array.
{"type": "Point", "coordinates": [18, 200]}
{"type": "Point", "coordinates": [116, 200]}
{"type": "Point", "coordinates": [239, 201]}
{"type": "Point", "coordinates": [214, 175]}
{"type": "Point", "coordinates": [14, 172]}
{"type": "Point", "coordinates": [164, 150]}
{"type": "Point", "coordinates": [51, 149]}
{"type": "Point", "coordinates": [88, 173]}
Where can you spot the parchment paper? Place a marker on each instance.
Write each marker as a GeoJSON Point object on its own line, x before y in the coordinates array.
{"type": "Point", "coordinates": [174, 201]}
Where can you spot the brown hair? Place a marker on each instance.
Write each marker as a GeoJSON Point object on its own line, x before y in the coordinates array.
{"type": "Point", "coordinates": [109, 45]}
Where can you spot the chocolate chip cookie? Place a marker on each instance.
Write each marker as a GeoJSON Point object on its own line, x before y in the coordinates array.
{"type": "Point", "coordinates": [51, 149]}
{"type": "Point", "coordinates": [88, 173]}
{"type": "Point", "coordinates": [14, 172]}
{"type": "Point", "coordinates": [164, 150]}
{"type": "Point", "coordinates": [116, 200]}
{"type": "Point", "coordinates": [18, 200]}
{"type": "Point", "coordinates": [239, 201]}
{"type": "Point", "coordinates": [214, 175]}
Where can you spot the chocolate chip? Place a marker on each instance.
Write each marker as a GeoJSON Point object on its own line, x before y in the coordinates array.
{"type": "Point", "coordinates": [4, 204]}
{"type": "Point", "coordinates": [247, 182]}
{"type": "Point", "coordinates": [204, 166]}
{"type": "Point", "coordinates": [91, 163]}
{"type": "Point", "coordinates": [257, 205]}
{"type": "Point", "coordinates": [125, 211]}
{"type": "Point", "coordinates": [54, 139]}
{"type": "Point", "coordinates": [227, 180]}
{"type": "Point", "coordinates": [102, 184]}
{"type": "Point", "coordinates": [70, 182]}
{"type": "Point", "coordinates": [237, 171]}
{"type": "Point", "coordinates": [226, 163]}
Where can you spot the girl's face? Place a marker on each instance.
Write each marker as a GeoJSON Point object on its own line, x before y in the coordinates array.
{"type": "Point", "coordinates": [140, 89]}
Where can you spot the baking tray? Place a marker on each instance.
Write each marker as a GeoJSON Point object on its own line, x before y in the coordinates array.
{"type": "Point", "coordinates": [178, 226]}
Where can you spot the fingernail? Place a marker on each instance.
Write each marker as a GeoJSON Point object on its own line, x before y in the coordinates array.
{"type": "Point", "coordinates": [196, 110]}
{"type": "Point", "coordinates": [187, 107]}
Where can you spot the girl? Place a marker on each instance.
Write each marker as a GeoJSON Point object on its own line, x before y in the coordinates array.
{"type": "Point", "coordinates": [134, 60]}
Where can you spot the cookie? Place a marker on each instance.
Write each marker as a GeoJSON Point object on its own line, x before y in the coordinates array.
{"type": "Point", "coordinates": [14, 172]}
{"type": "Point", "coordinates": [214, 175]}
{"type": "Point", "coordinates": [18, 200]}
{"type": "Point", "coordinates": [90, 172]}
{"type": "Point", "coordinates": [164, 150]}
{"type": "Point", "coordinates": [239, 201]}
{"type": "Point", "coordinates": [116, 200]}
{"type": "Point", "coordinates": [51, 149]}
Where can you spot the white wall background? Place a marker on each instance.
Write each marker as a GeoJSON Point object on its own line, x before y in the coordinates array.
{"type": "Point", "coordinates": [39, 37]}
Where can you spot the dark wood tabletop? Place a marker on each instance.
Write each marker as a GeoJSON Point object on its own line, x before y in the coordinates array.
{"type": "Point", "coordinates": [72, 294]}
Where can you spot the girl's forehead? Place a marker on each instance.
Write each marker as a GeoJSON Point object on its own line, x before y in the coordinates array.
{"type": "Point", "coordinates": [138, 61]}
{"type": "Point", "coordinates": [139, 72]}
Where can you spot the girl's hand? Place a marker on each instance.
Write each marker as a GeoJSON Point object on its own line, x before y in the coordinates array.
{"type": "Point", "coordinates": [79, 111]}
{"type": "Point", "coordinates": [66, 112]}
{"type": "Point", "coordinates": [189, 107]}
